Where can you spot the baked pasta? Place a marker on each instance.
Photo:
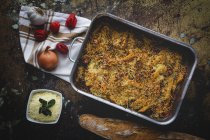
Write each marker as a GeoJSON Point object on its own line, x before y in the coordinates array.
{"type": "Point", "coordinates": [131, 72]}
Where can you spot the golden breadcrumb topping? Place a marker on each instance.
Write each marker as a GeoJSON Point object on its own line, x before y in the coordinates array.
{"type": "Point", "coordinates": [131, 72]}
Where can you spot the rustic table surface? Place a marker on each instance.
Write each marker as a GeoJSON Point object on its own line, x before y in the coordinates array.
{"type": "Point", "coordinates": [185, 20]}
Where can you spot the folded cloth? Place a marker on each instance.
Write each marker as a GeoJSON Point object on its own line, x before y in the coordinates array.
{"type": "Point", "coordinates": [31, 48]}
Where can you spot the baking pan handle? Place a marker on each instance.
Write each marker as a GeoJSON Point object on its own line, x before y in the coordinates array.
{"type": "Point", "coordinates": [76, 39]}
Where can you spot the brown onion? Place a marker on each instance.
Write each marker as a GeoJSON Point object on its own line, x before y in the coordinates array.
{"type": "Point", "coordinates": [48, 59]}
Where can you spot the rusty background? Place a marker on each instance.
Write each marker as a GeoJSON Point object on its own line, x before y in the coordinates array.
{"type": "Point", "coordinates": [185, 20]}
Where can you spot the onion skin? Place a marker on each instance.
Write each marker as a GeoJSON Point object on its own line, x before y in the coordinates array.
{"type": "Point", "coordinates": [48, 60]}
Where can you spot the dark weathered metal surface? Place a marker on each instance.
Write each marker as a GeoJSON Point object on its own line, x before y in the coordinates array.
{"type": "Point", "coordinates": [186, 20]}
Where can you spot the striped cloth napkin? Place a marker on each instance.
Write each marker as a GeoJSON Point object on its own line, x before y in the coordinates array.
{"type": "Point", "coordinates": [31, 48]}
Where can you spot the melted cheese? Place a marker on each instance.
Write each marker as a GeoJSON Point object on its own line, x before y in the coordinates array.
{"type": "Point", "coordinates": [131, 72]}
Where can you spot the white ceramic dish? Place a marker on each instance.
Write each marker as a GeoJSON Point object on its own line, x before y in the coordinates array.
{"type": "Point", "coordinates": [29, 99]}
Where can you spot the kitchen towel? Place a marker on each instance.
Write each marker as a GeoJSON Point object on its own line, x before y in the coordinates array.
{"type": "Point", "coordinates": [31, 48]}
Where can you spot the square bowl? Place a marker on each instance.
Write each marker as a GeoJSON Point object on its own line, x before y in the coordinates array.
{"type": "Point", "coordinates": [40, 91]}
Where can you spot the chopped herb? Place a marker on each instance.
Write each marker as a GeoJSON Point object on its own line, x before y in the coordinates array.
{"type": "Point", "coordinates": [40, 110]}
{"type": "Point", "coordinates": [44, 109]}
{"type": "Point", "coordinates": [51, 103]}
{"type": "Point", "coordinates": [47, 112]}
{"type": "Point", "coordinates": [43, 102]}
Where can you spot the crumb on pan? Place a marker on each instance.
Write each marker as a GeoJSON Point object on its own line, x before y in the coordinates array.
{"type": "Point", "coordinates": [130, 72]}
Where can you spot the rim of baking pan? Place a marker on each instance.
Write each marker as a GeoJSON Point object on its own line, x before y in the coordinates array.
{"type": "Point", "coordinates": [151, 32]}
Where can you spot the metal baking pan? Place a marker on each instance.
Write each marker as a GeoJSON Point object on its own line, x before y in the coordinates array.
{"type": "Point", "coordinates": [189, 59]}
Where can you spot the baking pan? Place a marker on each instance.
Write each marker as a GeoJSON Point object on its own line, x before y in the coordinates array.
{"type": "Point", "coordinates": [188, 54]}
